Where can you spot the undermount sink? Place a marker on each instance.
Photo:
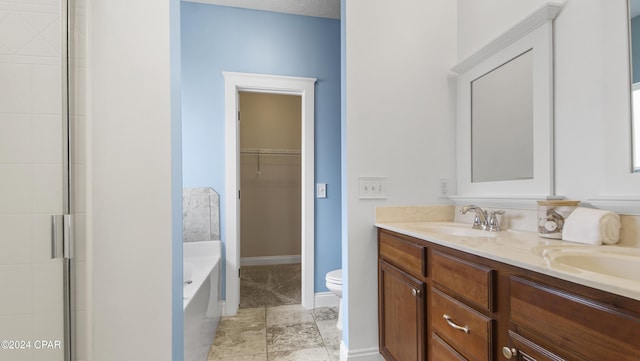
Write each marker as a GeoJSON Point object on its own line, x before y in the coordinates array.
{"type": "Point", "coordinates": [456, 229]}
{"type": "Point", "coordinates": [620, 262]}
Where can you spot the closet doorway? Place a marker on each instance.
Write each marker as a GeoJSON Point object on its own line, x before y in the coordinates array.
{"type": "Point", "coordinates": [237, 84]}
{"type": "Point", "coordinates": [270, 201]}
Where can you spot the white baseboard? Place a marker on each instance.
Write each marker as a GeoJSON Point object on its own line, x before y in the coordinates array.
{"type": "Point", "coordinates": [269, 260]}
{"type": "Point", "coordinates": [368, 354]}
{"type": "Point", "coordinates": [223, 308]}
{"type": "Point", "coordinates": [326, 299]}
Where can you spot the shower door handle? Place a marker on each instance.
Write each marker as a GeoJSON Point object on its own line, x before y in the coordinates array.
{"type": "Point", "coordinates": [61, 236]}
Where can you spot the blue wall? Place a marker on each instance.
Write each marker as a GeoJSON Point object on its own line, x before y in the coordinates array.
{"type": "Point", "coordinates": [217, 39]}
{"type": "Point", "coordinates": [177, 313]}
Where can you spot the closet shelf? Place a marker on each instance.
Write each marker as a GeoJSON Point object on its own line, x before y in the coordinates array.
{"type": "Point", "coordinates": [256, 151]}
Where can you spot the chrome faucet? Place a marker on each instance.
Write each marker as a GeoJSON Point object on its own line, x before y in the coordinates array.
{"type": "Point", "coordinates": [480, 220]}
{"type": "Point", "coordinates": [493, 225]}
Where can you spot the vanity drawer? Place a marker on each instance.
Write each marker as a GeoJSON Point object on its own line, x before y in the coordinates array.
{"type": "Point", "coordinates": [529, 350]}
{"type": "Point", "coordinates": [406, 255]}
{"type": "Point", "coordinates": [573, 323]}
{"type": "Point", "coordinates": [471, 282]}
{"type": "Point", "coordinates": [473, 343]}
{"type": "Point", "coordinates": [442, 351]}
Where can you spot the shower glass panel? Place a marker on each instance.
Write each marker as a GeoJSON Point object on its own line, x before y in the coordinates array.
{"type": "Point", "coordinates": [33, 180]}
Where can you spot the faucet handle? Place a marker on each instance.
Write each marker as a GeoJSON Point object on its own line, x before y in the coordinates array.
{"type": "Point", "coordinates": [480, 220]}
{"type": "Point", "coordinates": [493, 225]}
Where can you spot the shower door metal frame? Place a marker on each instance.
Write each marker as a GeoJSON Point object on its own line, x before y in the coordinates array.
{"type": "Point", "coordinates": [62, 236]}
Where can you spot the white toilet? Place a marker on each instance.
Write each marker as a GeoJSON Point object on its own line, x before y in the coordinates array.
{"type": "Point", "coordinates": [334, 284]}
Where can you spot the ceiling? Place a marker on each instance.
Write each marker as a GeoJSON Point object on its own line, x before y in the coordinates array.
{"type": "Point", "coordinates": [319, 8]}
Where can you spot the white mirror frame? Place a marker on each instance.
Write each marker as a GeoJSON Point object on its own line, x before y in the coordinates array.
{"type": "Point", "coordinates": [620, 191]}
{"type": "Point", "coordinates": [535, 33]}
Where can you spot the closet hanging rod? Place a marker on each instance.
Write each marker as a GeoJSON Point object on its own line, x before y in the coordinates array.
{"type": "Point", "coordinates": [255, 151]}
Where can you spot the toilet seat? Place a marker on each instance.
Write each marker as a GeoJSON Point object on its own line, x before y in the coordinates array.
{"type": "Point", "coordinates": [334, 277]}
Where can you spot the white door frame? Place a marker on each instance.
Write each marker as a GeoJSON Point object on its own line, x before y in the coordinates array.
{"type": "Point", "coordinates": [304, 87]}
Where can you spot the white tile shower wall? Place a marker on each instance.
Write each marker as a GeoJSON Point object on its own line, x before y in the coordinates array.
{"type": "Point", "coordinates": [31, 168]}
{"type": "Point", "coordinates": [201, 214]}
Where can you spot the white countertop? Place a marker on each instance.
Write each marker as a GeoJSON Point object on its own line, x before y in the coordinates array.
{"type": "Point", "coordinates": [525, 250]}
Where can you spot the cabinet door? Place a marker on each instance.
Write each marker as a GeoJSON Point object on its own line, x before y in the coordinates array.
{"type": "Point", "coordinates": [401, 309]}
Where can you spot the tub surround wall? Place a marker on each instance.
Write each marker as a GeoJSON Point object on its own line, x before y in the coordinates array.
{"type": "Point", "coordinates": [201, 214]}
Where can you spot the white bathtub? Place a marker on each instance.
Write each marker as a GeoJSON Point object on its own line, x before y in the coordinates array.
{"type": "Point", "coordinates": [201, 297]}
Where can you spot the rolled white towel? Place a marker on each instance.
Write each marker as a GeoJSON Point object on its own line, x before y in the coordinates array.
{"type": "Point", "coordinates": [592, 226]}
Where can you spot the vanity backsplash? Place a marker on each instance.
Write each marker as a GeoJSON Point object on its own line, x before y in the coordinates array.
{"type": "Point", "coordinates": [517, 219]}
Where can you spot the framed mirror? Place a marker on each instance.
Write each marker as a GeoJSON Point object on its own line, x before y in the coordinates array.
{"type": "Point", "coordinates": [634, 61]}
{"type": "Point", "coordinates": [505, 113]}
{"type": "Point", "coordinates": [502, 104]}
{"type": "Point", "coordinates": [620, 187]}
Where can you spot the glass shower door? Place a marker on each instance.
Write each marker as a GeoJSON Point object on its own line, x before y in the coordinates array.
{"type": "Point", "coordinates": [33, 179]}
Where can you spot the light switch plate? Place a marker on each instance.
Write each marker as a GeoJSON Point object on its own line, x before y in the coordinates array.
{"type": "Point", "coordinates": [321, 190]}
{"type": "Point", "coordinates": [372, 187]}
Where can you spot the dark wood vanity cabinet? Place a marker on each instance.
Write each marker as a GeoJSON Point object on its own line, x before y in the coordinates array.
{"type": "Point", "coordinates": [438, 303]}
{"type": "Point", "coordinates": [402, 314]}
{"type": "Point", "coordinates": [461, 305]}
{"type": "Point", "coordinates": [570, 326]}
{"type": "Point", "coordinates": [401, 299]}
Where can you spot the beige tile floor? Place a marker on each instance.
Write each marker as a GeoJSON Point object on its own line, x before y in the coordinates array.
{"type": "Point", "coordinates": [270, 285]}
{"type": "Point", "coordinates": [278, 333]}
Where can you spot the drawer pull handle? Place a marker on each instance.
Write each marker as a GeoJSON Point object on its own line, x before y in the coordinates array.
{"type": "Point", "coordinates": [447, 318]}
{"type": "Point", "coordinates": [415, 292]}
